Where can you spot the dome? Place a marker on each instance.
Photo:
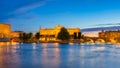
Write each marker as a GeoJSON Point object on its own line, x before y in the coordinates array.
{"type": "Point", "coordinates": [58, 27]}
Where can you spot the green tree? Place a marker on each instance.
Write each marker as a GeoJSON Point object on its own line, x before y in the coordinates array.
{"type": "Point", "coordinates": [20, 36]}
{"type": "Point", "coordinates": [37, 35]}
{"type": "Point", "coordinates": [63, 34]}
{"type": "Point", "coordinates": [29, 35]}
{"type": "Point", "coordinates": [24, 36]}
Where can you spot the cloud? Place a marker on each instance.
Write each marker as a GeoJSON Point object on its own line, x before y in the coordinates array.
{"type": "Point", "coordinates": [101, 28]}
{"type": "Point", "coordinates": [108, 24]}
{"type": "Point", "coordinates": [22, 12]}
{"type": "Point", "coordinates": [31, 6]}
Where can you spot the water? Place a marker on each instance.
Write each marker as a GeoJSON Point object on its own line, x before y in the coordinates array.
{"type": "Point", "coordinates": [54, 55]}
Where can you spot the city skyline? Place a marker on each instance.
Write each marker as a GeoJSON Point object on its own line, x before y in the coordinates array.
{"type": "Point", "coordinates": [30, 15]}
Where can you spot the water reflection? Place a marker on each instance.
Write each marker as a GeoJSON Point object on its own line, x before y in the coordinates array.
{"type": "Point", "coordinates": [34, 45]}
{"type": "Point", "coordinates": [7, 55]}
{"type": "Point", "coordinates": [55, 55]}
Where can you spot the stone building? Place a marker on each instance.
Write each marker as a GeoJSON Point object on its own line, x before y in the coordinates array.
{"type": "Point", "coordinates": [15, 35]}
{"type": "Point", "coordinates": [110, 36]}
{"type": "Point", "coordinates": [50, 34]}
{"type": "Point", "coordinates": [102, 34]}
{"type": "Point", "coordinates": [5, 30]}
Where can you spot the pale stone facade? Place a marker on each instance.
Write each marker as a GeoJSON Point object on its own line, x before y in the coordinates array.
{"type": "Point", "coordinates": [5, 30]}
{"type": "Point", "coordinates": [50, 34]}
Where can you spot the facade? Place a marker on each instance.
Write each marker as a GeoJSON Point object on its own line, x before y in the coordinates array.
{"type": "Point", "coordinates": [15, 35]}
{"type": "Point", "coordinates": [5, 30]}
{"type": "Point", "coordinates": [102, 34]}
{"type": "Point", "coordinates": [50, 34]}
{"type": "Point", "coordinates": [110, 36]}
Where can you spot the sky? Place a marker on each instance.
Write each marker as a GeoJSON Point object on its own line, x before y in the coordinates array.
{"type": "Point", "coordinates": [30, 15]}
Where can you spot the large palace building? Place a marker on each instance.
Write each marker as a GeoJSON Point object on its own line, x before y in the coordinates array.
{"type": "Point", "coordinates": [50, 34]}
{"type": "Point", "coordinates": [5, 30]}
{"type": "Point", "coordinates": [110, 36]}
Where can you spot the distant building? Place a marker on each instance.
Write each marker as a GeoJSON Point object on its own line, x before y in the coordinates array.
{"type": "Point", "coordinates": [50, 34]}
{"type": "Point", "coordinates": [5, 30]}
{"type": "Point", "coordinates": [102, 34]}
{"type": "Point", "coordinates": [15, 35]}
{"type": "Point", "coordinates": [112, 36]}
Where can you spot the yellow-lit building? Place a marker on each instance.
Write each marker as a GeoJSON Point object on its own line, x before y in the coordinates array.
{"type": "Point", "coordinates": [111, 36]}
{"type": "Point", "coordinates": [5, 30]}
{"type": "Point", "coordinates": [15, 35]}
{"type": "Point", "coordinates": [50, 34]}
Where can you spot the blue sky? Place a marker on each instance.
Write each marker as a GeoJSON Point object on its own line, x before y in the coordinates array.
{"type": "Point", "coordinates": [30, 15]}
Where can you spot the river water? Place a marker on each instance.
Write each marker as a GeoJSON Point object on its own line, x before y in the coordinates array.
{"type": "Point", "coordinates": [54, 55]}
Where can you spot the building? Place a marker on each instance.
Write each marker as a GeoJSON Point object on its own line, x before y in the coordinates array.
{"type": "Point", "coordinates": [15, 35]}
{"type": "Point", "coordinates": [50, 34]}
{"type": "Point", "coordinates": [5, 30]}
{"type": "Point", "coordinates": [110, 36]}
{"type": "Point", "coordinates": [102, 34]}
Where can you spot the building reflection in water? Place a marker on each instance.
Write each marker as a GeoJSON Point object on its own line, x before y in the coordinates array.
{"type": "Point", "coordinates": [82, 54]}
{"type": "Point", "coordinates": [70, 53]}
{"type": "Point", "coordinates": [56, 54]}
{"type": "Point", "coordinates": [50, 55]}
{"type": "Point", "coordinates": [71, 43]}
{"type": "Point", "coordinates": [44, 54]}
{"type": "Point", "coordinates": [34, 45]}
{"type": "Point", "coordinates": [8, 56]}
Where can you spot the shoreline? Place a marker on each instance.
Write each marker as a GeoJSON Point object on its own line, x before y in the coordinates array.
{"type": "Point", "coordinates": [61, 42]}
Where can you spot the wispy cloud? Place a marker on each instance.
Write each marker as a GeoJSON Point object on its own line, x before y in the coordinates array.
{"type": "Point", "coordinates": [99, 27]}
{"type": "Point", "coordinates": [23, 16]}
{"type": "Point", "coordinates": [23, 11]}
{"type": "Point", "coordinates": [31, 6]}
{"type": "Point", "coordinates": [108, 24]}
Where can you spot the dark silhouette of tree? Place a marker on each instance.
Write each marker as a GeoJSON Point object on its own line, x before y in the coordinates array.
{"type": "Point", "coordinates": [63, 34]}
{"type": "Point", "coordinates": [21, 36]}
{"type": "Point", "coordinates": [29, 35]}
{"type": "Point", "coordinates": [79, 35]}
{"type": "Point", "coordinates": [37, 35]}
{"type": "Point", "coordinates": [75, 35]}
{"type": "Point", "coordinates": [24, 36]}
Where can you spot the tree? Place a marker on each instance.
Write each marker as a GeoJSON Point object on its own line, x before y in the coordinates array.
{"type": "Point", "coordinates": [37, 35]}
{"type": "Point", "coordinates": [79, 35]}
{"type": "Point", "coordinates": [75, 35]}
{"type": "Point", "coordinates": [29, 35]}
{"type": "Point", "coordinates": [24, 36]}
{"type": "Point", "coordinates": [63, 34]}
{"type": "Point", "coordinates": [20, 36]}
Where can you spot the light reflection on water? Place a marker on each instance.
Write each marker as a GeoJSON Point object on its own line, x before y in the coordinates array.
{"type": "Point", "coordinates": [55, 55]}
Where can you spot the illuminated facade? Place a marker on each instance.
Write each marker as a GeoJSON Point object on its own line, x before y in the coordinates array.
{"type": "Point", "coordinates": [50, 34]}
{"type": "Point", "coordinates": [112, 36]}
{"type": "Point", "coordinates": [15, 35]}
{"type": "Point", "coordinates": [5, 30]}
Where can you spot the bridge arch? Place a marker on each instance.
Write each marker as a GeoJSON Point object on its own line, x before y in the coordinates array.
{"type": "Point", "coordinates": [90, 40]}
{"type": "Point", "coordinates": [100, 40]}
